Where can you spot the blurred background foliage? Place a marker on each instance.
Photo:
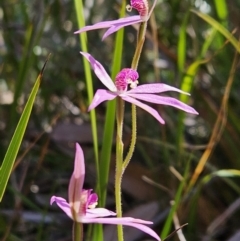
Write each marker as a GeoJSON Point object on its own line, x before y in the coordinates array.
{"type": "Point", "coordinates": [182, 50]}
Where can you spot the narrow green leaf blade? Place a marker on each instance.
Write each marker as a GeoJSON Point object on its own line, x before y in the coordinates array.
{"type": "Point", "coordinates": [221, 8]}
{"type": "Point", "coordinates": [182, 44]}
{"type": "Point", "coordinates": [16, 141]}
{"type": "Point", "coordinates": [215, 24]}
{"type": "Point", "coordinates": [97, 228]}
{"type": "Point", "coordinates": [87, 70]}
{"type": "Point", "coordinates": [227, 173]}
{"type": "Point", "coordinates": [177, 200]}
{"type": "Point", "coordinates": [110, 115]}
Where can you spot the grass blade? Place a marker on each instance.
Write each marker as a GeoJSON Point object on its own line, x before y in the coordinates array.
{"type": "Point", "coordinates": [182, 44]}
{"type": "Point", "coordinates": [221, 8]}
{"type": "Point", "coordinates": [16, 141]}
{"type": "Point", "coordinates": [218, 126]}
{"type": "Point", "coordinates": [88, 75]}
{"type": "Point", "coordinates": [110, 115]}
{"type": "Point", "coordinates": [215, 24]}
{"type": "Point", "coordinates": [168, 224]}
{"type": "Point", "coordinates": [97, 229]}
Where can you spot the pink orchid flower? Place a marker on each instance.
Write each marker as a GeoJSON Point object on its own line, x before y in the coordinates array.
{"type": "Point", "coordinates": [81, 205]}
{"type": "Point", "coordinates": [113, 26]}
{"type": "Point", "coordinates": [146, 92]}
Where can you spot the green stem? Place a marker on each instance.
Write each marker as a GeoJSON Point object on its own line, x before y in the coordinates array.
{"type": "Point", "coordinates": [77, 231]}
{"type": "Point", "coordinates": [136, 57]}
{"type": "Point", "coordinates": [119, 163]}
{"type": "Point", "coordinates": [140, 42]}
{"type": "Point", "coordinates": [133, 139]}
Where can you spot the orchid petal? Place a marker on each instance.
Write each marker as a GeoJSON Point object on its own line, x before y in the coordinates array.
{"type": "Point", "coordinates": [92, 199]}
{"type": "Point", "coordinates": [147, 108]}
{"type": "Point", "coordinates": [115, 220]}
{"type": "Point", "coordinates": [108, 24]}
{"type": "Point", "coordinates": [127, 21]}
{"type": "Point", "coordinates": [154, 88]}
{"type": "Point", "coordinates": [93, 214]}
{"type": "Point", "coordinates": [80, 198]}
{"type": "Point", "coordinates": [100, 72]}
{"type": "Point", "coordinates": [63, 204]}
{"type": "Point", "coordinates": [99, 212]}
{"type": "Point", "coordinates": [76, 180]}
{"type": "Point", "coordinates": [93, 27]}
{"type": "Point", "coordinates": [100, 25]}
{"type": "Point", "coordinates": [156, 99]}
{"type": "Point", "coordinates": [132, 222]}
{"type": "Point", "coordinates": [113, 25]}
{"type": "Point", "coordinates": [100, 96]}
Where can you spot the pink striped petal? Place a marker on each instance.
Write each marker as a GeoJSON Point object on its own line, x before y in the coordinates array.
{"type": "Point", "coordinates": [162, 100]}
{"type": "Point", "coordinates": [92, 199]}
{"type": "Point", "coordinates": [154, 88]}
{"type": "Point", "coordinates": [147, 108]}
{"type": "Point", "coordinates": [100, 96]}
{"type": "Point", "coordinates": [100, 72]}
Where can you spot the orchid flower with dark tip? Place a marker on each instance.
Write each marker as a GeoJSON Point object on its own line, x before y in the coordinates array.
{"type": "Point", "coordinates": [146, 92]}
{"type": "Point", "coordinates": [114, 25]}
{"type": "Point", "coordinates": [81, 203]}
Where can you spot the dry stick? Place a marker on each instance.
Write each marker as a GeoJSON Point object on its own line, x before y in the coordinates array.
{"type": "Point", "coordinates": [218, 127]}
{"type": "Point", "coordinates": [171, 234]}
{"type": "Point", "coordinates": [223, 217]}
{"type": "Point", "coordinates": [178, 227]}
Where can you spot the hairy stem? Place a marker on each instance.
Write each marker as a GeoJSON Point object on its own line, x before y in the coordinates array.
{"type": "Point", "coordinates": [140, 42]}
{"type": "Point", "coordinates": [138, 51]}
{"type": "Point", "coordinates": [119, 163]}
{"type": "Point", "coordinates": [133, 139]}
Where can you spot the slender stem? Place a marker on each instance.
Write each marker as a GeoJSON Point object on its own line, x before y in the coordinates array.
{"type": "Point", "coordinates": [119, 163]}
{"type": "Point", "coordinates": [133, 139]}
{"type": "Point", "coordinates": [77, 231]}
{"type": "Point", "coordinates": [140, 42]}
{"type": "Point", "coordinates": [136, 57]}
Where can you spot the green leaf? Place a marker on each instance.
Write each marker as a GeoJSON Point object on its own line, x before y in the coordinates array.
{"type": "Point", "coordinates": [187, 82]}
{"type": "Point", "coordinates": [89, 82]}
{"type": "Point", "coordinates": [177, 200]}
{"type": "Point", "coordinates": [182, 44]}
{"type": "Point", "coordinates": [97, 229]}
{"type": "Point", "coordinates": [220, 28]}
{"type": "Point", "coordinates": [110, 115]}
{"type": "Point", "coordinates": [16, 141]}
{"type": "Point", "coordinates": [221, 8]}
{"type": "Point", "coordinates": [227, 173]}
